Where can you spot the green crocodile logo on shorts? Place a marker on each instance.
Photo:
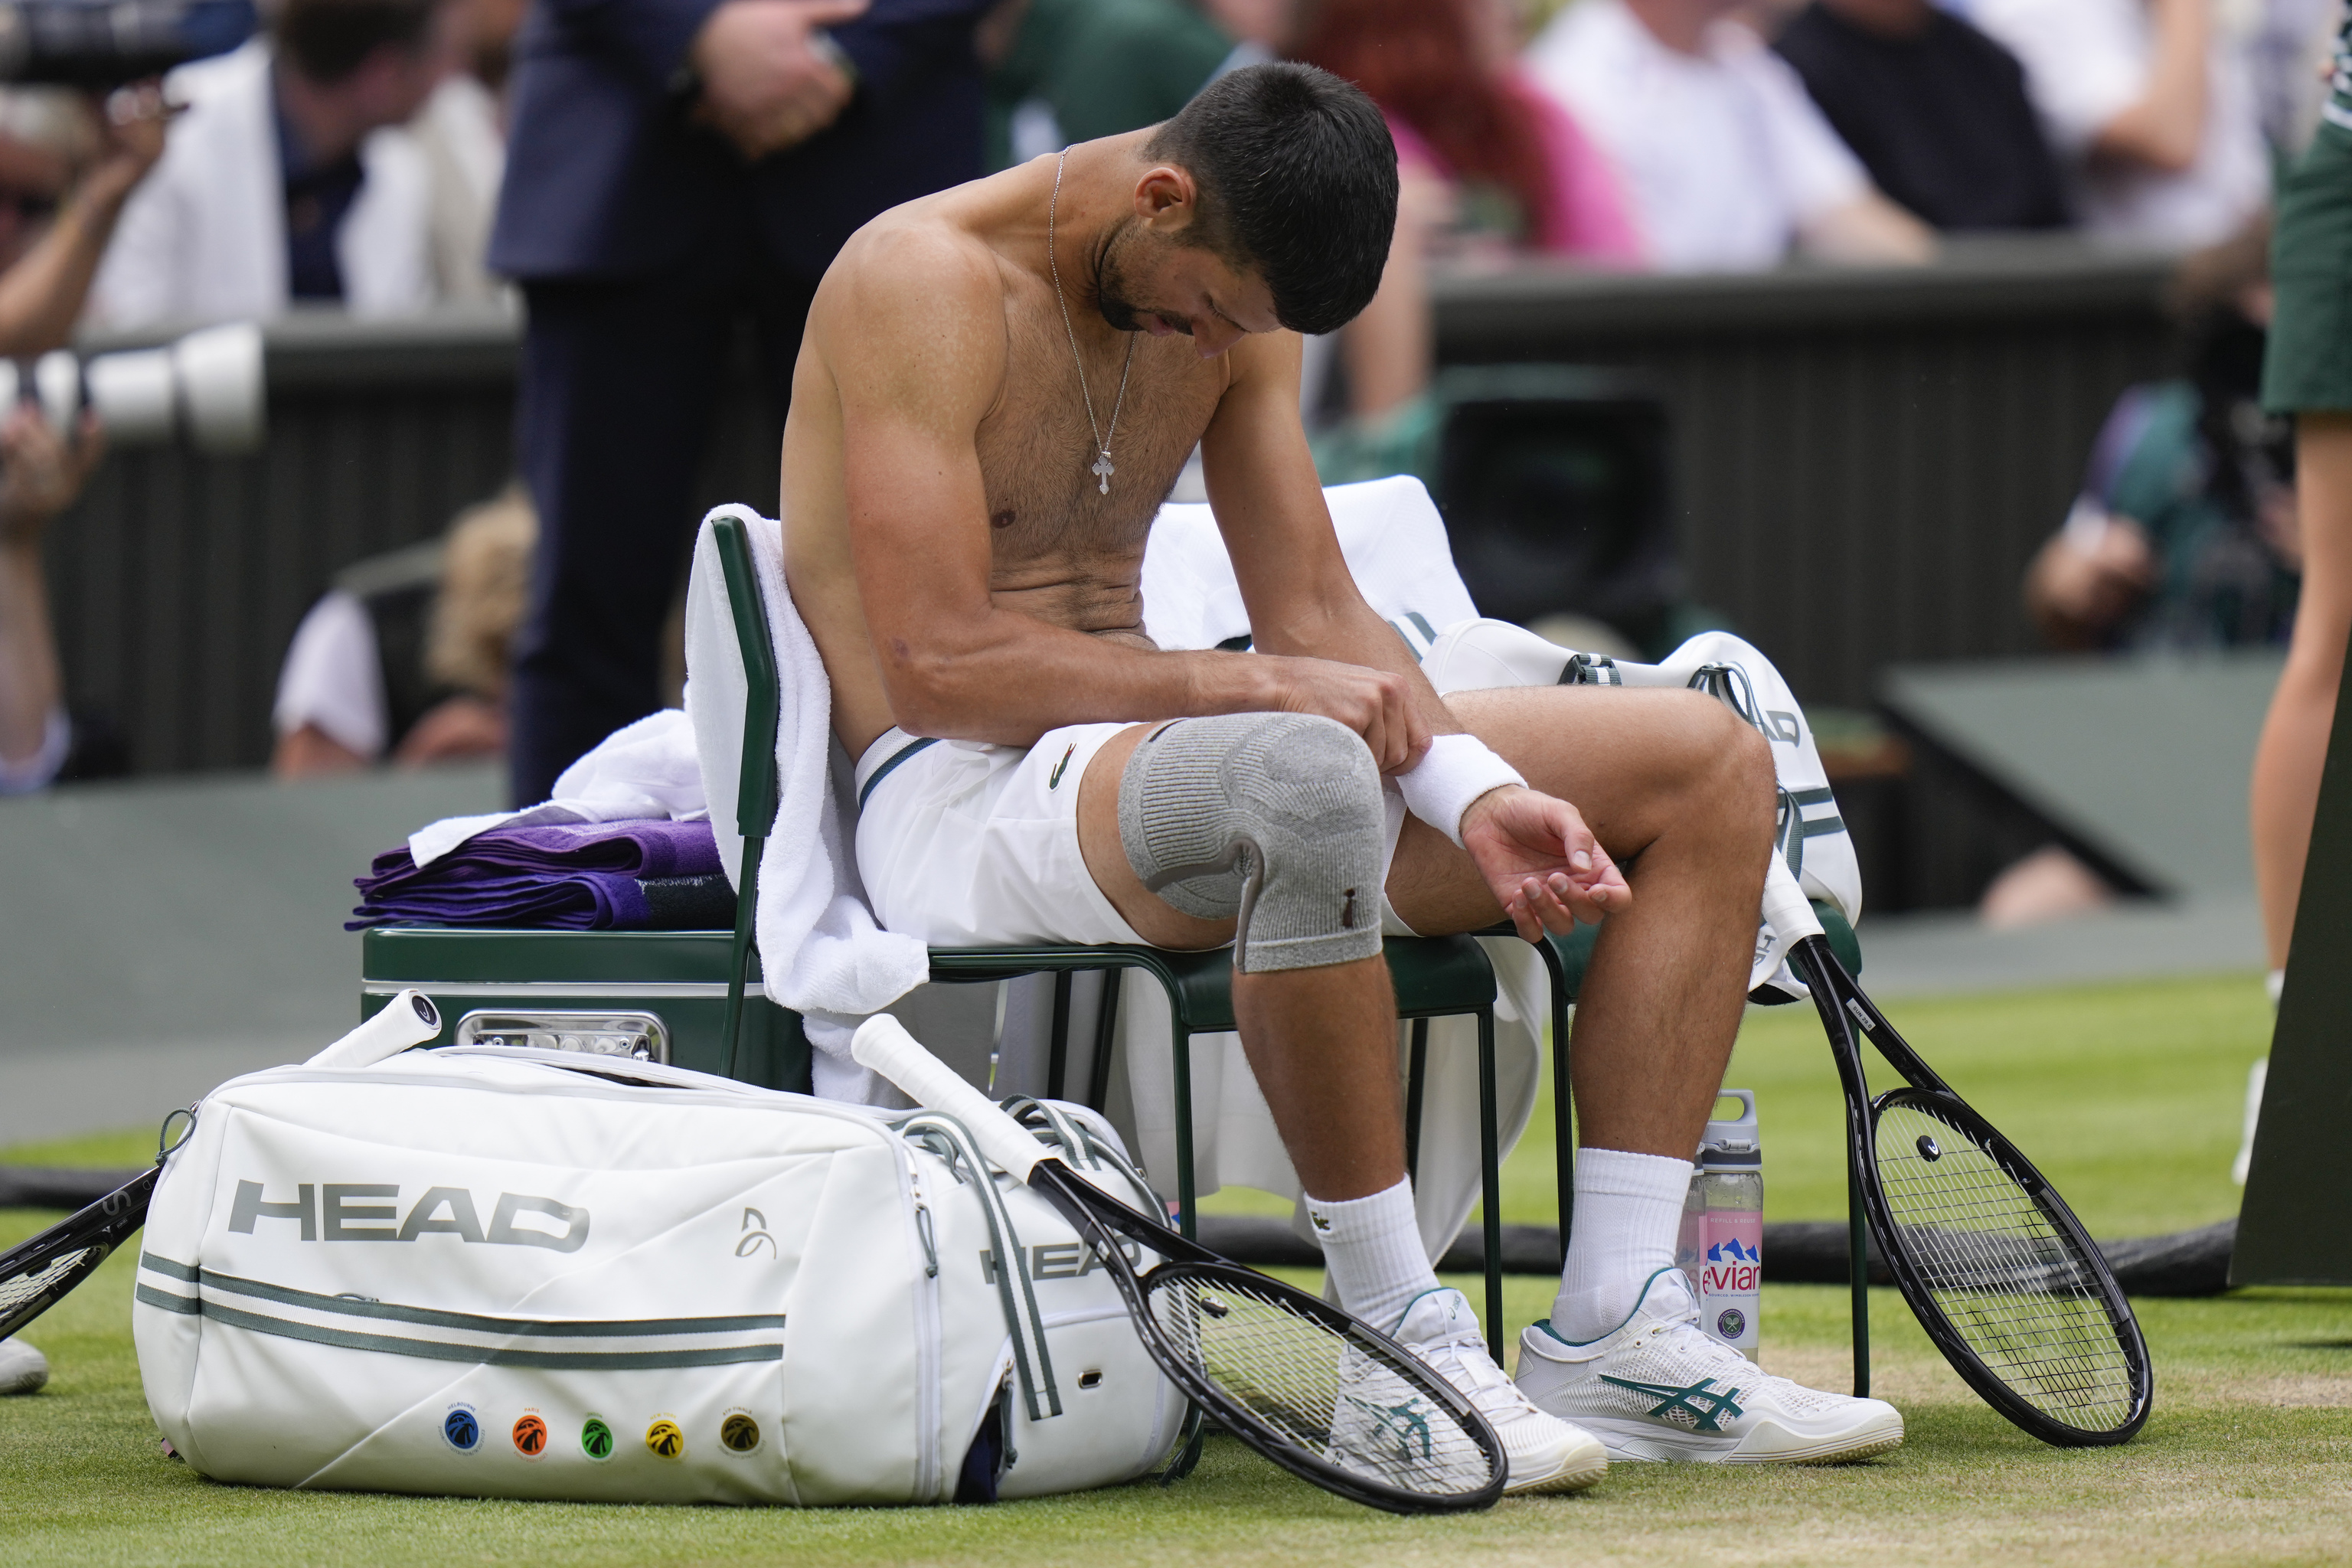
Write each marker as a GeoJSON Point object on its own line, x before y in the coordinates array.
{"type": "Point", "coordinates": [1054, 779]}
{"type": "Point", "coordinates": [1670, 1398]}
{"type": "Point", "coordinates": [1408, 1423]}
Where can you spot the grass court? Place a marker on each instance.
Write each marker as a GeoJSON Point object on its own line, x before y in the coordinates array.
{"type": "Point", "coordinates": [2127, 1096]}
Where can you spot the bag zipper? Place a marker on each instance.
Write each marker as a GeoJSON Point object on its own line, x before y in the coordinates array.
{"type": "Point", "coordinates": [928, 1465]}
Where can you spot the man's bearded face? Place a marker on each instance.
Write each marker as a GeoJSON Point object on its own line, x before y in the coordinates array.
{"type": "Point", "coordinates": [1116, 287]}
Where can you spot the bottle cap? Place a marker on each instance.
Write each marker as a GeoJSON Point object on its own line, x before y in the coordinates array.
{"type": "Point", "coordinates": [1736, 1145]}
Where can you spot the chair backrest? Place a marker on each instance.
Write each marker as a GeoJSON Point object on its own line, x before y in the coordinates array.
{"type": "Point", "coordinates": [757, 797]}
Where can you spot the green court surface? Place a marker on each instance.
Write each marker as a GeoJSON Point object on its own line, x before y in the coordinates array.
{"type": "Point", "coordinates": [2128, 1096]}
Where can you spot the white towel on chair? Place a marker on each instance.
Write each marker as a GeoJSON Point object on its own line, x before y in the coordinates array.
{"type": "Point", "coordinates": [820, 949]}
{"type": "Point", "coordinates": [1390, 531]}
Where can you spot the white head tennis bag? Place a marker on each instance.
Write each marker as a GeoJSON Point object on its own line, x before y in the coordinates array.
{"type": "Point", "coordinates": [491, 1272]}
{"type": "Point", "coordinates": [1484, 654]}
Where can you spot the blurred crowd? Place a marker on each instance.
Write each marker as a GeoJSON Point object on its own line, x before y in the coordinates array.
{"type": "Point", "coordinates": [353, 151]}
{"type": "Point", "coordinates": [648, 178]}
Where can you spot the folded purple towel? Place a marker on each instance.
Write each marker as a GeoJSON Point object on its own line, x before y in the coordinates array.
{"type": "Point", "coordinates": [585, 876]}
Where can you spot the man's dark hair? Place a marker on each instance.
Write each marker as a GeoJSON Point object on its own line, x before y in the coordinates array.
{"type": "Point", "coordinates": [327, 40]}
{"type": "Point", "coordinates": [1297, 182]}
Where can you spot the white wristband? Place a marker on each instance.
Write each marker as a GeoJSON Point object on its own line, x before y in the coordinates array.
{"type": "Point", "coordinates": [1451, 774]}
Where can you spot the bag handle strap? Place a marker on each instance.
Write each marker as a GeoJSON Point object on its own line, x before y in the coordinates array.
{"type": "Point", "coordinates": [1031, 1360]}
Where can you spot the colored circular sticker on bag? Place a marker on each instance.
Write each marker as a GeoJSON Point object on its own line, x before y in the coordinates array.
{"type": "Point", "coordinates": [596, 1439]}
{"type": "Point", "coordinates": [739, 1432]}
{"type": "Point", "coordinates": [666, 1439]}
{"type": "Point", "coordinates": [462, 1430]}
{"type": "Point", "coordinates": [531, 1436]}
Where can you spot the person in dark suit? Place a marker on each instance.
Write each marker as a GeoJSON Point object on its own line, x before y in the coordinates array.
{"type": "Point", "coordinates": [1936, 111]}
{"type": "Point", "coordinates": [675, 168]}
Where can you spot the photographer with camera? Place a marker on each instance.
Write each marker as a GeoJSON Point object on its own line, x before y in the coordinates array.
{"type": "Point", "coordinates": [65, 175]}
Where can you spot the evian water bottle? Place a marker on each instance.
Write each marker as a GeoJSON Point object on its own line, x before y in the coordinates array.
{"type": "Point", "coordinates": [1722, 1243]}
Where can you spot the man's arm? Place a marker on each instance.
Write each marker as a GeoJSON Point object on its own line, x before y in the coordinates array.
{"type": "Point", "coordinates": [41, 474]}
{"type": "Point", "coordinates": [913, 333]}
{"type": "Point", "coordinates": [2165, 126]}
{"type": "Point", "coordinates": [1543, 864]}
{"type": "Point", "coordinates": [42, 294]}
{"type": "Point", "coordinates": [1302, 599]}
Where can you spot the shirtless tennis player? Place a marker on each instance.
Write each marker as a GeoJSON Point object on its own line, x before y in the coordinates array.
{"type": "Point", "coordinates": [997, 388]}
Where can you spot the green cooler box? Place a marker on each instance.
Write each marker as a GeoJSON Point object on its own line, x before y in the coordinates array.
{"type": "Point", "coordinates": [656, 994]}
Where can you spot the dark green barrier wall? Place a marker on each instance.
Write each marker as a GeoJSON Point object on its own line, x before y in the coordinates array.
{"type": "Point", "coordinates": [1864, 461]}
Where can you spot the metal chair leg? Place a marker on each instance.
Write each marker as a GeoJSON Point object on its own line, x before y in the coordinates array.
{"type": "Point", "coordinates": [1057, 1050]}
{"type": "Point", "coordinates": [1563, 1120]}
{"type": "Point", "coordinates": [1106, 1031]}
{"type": "Point", "coordinates": [739, 966]}
{"type": "Point", "coordinates": [1858, 1245]}
{"type": "Point", "coordinates": [1187, 1217]}
{"type": "Point", "coordinates": [1490, 1180]}
{"type": "Point", "coordinates": [1416, 1086]}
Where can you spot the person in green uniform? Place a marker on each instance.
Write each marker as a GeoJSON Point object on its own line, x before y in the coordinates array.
{"type": "Point", "coordinates": [2308, 374]}
{"type": "Point", "coordinates": [1098, 68]}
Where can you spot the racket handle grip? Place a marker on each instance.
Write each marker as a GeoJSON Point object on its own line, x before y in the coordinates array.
{"type": "Point", "coordinates": [883, 1044]}
{"type": "Point", "coordinates": [1786, 909]}
{"type": "Point", "coordinates": [408, 1019]}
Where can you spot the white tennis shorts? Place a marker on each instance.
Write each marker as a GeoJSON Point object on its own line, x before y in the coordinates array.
{"type": "Point", "coordinates": [968, 844]}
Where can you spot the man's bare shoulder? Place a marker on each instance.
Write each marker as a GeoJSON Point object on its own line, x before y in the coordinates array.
{"type": "Point", "coordinates": [915, 298]}
{"type": "Point", "coordinates": [913, 253]}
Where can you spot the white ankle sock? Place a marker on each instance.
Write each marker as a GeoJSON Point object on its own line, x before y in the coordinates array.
{"type": "Point", "coordinates": [1373, 1248]}
{"type": "Point", "coordinates": [1629, 1209]}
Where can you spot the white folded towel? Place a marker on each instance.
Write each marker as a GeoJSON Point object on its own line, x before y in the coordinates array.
{"type": "Point", "coordinates": [644, 770]}
{"type": "Point", "coordinates": [1390, 531]}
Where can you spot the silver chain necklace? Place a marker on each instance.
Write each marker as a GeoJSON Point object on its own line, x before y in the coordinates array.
{"type": "Point", "coordinates": [1102, 470]}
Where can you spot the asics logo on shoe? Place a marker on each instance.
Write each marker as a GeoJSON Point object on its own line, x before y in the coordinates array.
{"type": "Point", "coordinates": [1688, 1400]}
{"type": "Point", "coordinates": [1409, 1423]}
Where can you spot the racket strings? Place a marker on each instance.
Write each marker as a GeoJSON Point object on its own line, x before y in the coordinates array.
{"type": "Point", "coordinates": [2015, 1287]}
{"type": "Point", "coordinates": [23, 1294]}
{"type": "Point", "coordinates": [1346, 1402]}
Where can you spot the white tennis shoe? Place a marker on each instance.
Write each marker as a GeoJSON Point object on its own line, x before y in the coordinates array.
{"type": "Point", "coordinates": [1659, 1387]}
{"type": "Point", "coordinates": [1545, 1453]}
{"type": "Point", "coordinates": [23, 1368]}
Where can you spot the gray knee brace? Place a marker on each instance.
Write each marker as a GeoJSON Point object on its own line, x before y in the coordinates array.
{"type": "Point", "coordinates": [1273, 817]}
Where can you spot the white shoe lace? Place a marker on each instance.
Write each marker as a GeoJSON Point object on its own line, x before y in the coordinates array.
{"type": "Point", "coordinates": [1465, 1365]}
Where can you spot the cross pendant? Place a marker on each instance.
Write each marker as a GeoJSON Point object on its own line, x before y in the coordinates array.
{"type": "Point", "coordinates": [1102, 470]}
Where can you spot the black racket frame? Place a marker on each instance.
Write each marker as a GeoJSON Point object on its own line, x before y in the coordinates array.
{"type": "Point", "coordinates": [102, 1227]}
{"type": "Point", "coordinates": [1097, 1216]}
{"type": "Point", "coordinates": [1844, 1005]}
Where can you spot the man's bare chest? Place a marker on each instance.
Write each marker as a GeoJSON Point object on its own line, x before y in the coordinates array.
{"type": "Point", "coordinates": [1051, 493]}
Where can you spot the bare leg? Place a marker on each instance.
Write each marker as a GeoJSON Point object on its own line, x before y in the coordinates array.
{"type": "Point", "coordinates": [1680, 792]}
{"type": "Point", "coordinates": [1322, 1042]}
{"type": "Point", "coordinates": [2294, 750]}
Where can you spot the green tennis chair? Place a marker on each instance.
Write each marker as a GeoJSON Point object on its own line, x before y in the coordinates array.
{"type": "Point", "coordinates": [693, 996]}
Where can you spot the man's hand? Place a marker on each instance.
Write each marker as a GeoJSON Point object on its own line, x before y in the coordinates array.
{"type": "Point", "coordinates": [1375, 703]}
{"type": "Point", "coordinates": [134, 119]}
{"type": "Point", "coordinates": [766, 84]}
{"type": "Point", "coordinates": [2088, 577]}
{"type": "Point", "coordinates": [1545, 866]}
{"type": "Point", "coordinates": [41, 473]}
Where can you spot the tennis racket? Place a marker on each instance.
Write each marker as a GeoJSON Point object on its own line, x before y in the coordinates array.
{"type": "Point", "coordinates": [1324, 1395]}
{"type": "Point", "coordinates": [1994, 1264]}
{"type": "Point", "coordinates": [37, 1274]}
